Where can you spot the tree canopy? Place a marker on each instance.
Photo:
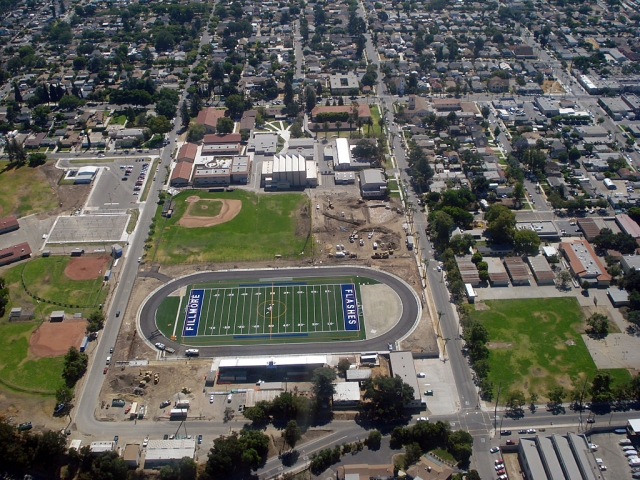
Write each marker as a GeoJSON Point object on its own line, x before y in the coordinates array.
{"type": "Point", "coordinates": [385, 397]}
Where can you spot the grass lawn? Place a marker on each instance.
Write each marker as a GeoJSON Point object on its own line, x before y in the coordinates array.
{"type": "Point", "coordinates": [205, 208]}
{"type": "Point", "coordinates": [444, 455]}
{"type": "Point", "coordinates": [44, 276]}
{"type": "Point", "coordinates": [375, 116]}
{"type": "Point", "coordinates": [43, 375]}
{"type": "Point", "coordinates": [392, 188]}
{"type": "Point", "coordinates": [267, 225]}
{"type": "Point", "coordinates": [119, 120]}
{"type": "Point", "coordinates": [25, 191]}
{"type": "Point", "coordinates": [536, 344]}
{"type": "Point", "coordinates": [133, 220]}
{"type": "Point", "coordinates": [147, 186]}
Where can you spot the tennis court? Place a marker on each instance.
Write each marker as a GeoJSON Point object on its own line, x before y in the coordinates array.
{"type": "Point", "coordinates": [262, 312]}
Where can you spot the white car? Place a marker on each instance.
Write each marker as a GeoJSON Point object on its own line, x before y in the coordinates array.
{"type": "Point", "coordinates": [423, 419]}
{"type": "Point", "coordinates": [139, 259]}
{"type": "Point", "coordinates": [439, 268]}
{"type": "Point", "coordinates": [494, 449]}
{"type": "Point", "coordinates": [145, 442]}
{"type": "Point", "coordinates": [211, 398]}
{"type": "Point", "coordinates": [160, 346]}
{"type": "Point", "coordinates": [422, 375]}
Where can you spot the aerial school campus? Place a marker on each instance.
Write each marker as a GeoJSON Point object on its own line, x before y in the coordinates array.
{"type": "Point", "coordinates": [332, 239]}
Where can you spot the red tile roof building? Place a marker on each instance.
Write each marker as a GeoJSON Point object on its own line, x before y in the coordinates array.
{"type": "Point", "coordinates": [584, 263]}
{"type": "Point", "coordinates": [15, 253]}
{"type": "Point", "coordinates": [209, 118]}
{"type": "Point", "coordinates": [8, 224]}
{"type": "Point", "coordinates": [187, 153]}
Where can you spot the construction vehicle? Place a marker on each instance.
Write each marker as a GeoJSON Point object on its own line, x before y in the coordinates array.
{"type": "Point", "coordinates": [186, 390]}
{"type": "Point", "coordinates": [378, 255]}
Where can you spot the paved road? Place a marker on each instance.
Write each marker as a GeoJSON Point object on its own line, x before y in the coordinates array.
{"type": "Point", "coordinates": [448, 322]}
{"type": "Point", "coordinates": [410, 311]}
{"type": "Point", "coordinates": [83, 413]}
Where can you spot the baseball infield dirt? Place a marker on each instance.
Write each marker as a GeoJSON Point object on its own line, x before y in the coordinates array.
{"type": "Point", "coordinates": [86, 268]}
{"type": "Point", "coordinates": [230, 208]}
{"type": "Point", "coordinates": [54, 339]}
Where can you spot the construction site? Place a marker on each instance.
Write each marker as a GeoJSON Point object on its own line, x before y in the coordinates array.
{"type": "Point", "coordinates": [346, 226]}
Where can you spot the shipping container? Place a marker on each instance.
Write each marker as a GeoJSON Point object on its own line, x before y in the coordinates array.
{"type": "Point", "coordinates": [183, 404]}
{"type": "Point", "coordinates": [134, 410]}
{"type": "Point", "coordinates": [178, 413]}
{"type": "Point", "coordinates": [84, 343]}
{"type": "Point", "coordinates": [107, 275]}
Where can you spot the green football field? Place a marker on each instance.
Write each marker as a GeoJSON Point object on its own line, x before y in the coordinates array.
{"type": "Point", "coordinates": [259, 312]}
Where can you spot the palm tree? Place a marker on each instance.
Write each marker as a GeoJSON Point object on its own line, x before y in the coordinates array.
{"type": "Point", "coordinates": [369, 125]}
{"type": "Point", "coordinates": [350, 121]}
{"type": "Point", "coordinates": [316, 127]}
{"type": "Point", "coordinates": [326, 130]}
{"type": "Point", "coordinates": [359, 124]}
{"type": "Point", "coordinates": [338, 125]}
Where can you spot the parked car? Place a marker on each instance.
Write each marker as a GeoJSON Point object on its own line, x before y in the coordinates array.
{"type": "Point", "coordinates": [511, 442]}
{"type": "Point", "coordinates": [199, 439]}
{"type": "Point", "coordinates": [505, 432]}
{"type": "Point", "coordinates": [494, 450]}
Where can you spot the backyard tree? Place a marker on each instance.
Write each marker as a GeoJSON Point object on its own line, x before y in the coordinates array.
{"type": "Point", "coordinates": [343, 365]}
{"type": "Point", "coordinates": [322, 381]}
{"type": "Point", "coordinates": [526, 241]}
{"type": "Point", "coordinates": [385, 397]}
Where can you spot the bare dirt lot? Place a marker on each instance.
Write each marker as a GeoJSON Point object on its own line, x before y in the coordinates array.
{"type": "Point", "coordinates": [230, 208]}
{"type": "Point", "coordinates": [52, 339]}
{"type": "Point", "coordinates": [86, 268]}
{"type": "Point", "coordinates": [70, 197]}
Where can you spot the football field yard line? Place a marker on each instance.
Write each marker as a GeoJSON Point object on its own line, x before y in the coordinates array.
{"type": "Point", "coordinates": [285, 307]}
{"type": "Point", "coordinates": [215, 323]}
{"type": "Point", "coordinates": [245, 294]}
{"type": "Point", "coordinates": [208, 297]}
{"type": "Point", "coordinates": [236, 298]}
{"type": "Point", "coordinates": [175, 324]}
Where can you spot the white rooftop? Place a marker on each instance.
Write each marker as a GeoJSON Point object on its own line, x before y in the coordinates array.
{"type": "Point", "coordinates": [170, 449]}
{"type": "Point", "coordinates": [276, 361]}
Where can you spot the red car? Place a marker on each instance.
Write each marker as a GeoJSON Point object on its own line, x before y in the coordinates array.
{"type": "Point", "coordinates": [510, 442]}
{"type": "Point", "coordinates": [105, 370]}
{"type": "Point", "coordinates": [502, 471]}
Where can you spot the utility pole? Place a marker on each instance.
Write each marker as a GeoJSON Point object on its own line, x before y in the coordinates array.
{"type": "Point", "coordinates": [495, 413]}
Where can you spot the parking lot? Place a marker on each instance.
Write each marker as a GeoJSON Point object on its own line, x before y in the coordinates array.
{"type": "Point", "coordinates": [438, 379]}
{"type": "Point", "coordinates": [612, 455]}
{"type": "Point", "coordinates": [114, 189]}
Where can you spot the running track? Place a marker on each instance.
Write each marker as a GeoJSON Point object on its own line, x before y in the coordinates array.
{"type": "Point", "coordinates": [410, 312]}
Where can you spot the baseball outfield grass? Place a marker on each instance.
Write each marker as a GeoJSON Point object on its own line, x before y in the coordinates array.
{"type": "Point", "coordinates": [266, 226]}
{"type": "Point", "coordinates": [536, 344]}
{"type": "Point", "coordinates": [17, 371]}
{"type": "Point", "coordinates": [44, 277]}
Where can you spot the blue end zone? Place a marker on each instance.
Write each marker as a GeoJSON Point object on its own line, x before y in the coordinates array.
{"type": "Point", "coordinates": [350, 307]}
{"type": "Point", "coordinates": [192, 313]}
{"type": "Point", "coordinates": [280, 284]}
{"type": "Point", "coordinates": [279, 335]}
